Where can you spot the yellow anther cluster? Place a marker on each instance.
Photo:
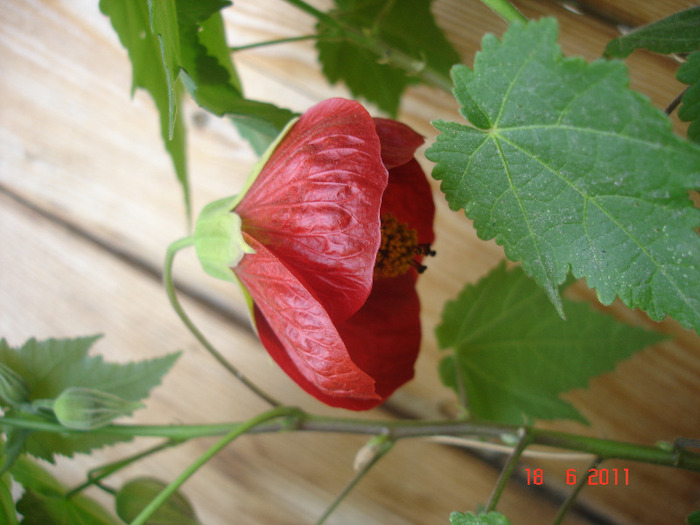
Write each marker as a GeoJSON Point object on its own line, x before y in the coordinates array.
{"type": "Point", "coordinates": [398, 249]}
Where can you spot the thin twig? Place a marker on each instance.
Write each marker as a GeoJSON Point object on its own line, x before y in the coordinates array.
{"type": "Point", "coordinates": [675, 103]}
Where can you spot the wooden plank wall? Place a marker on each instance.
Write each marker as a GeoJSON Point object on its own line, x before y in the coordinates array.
{"type": "Point", "coordinates": [88, 204]}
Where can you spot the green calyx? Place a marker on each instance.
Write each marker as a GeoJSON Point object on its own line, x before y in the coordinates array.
{"type": "Point", "coordinates": [218, 239]}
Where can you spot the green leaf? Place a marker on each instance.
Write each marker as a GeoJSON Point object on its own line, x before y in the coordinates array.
{"type": "Point", "coordinates": [693, 518]}
{"type": "Point", "coordinates": [44, 501]}
{"type": "Point", "coordinates": [131, 21]}
{"type": "Point", "coordinates": [403, 28]}
{"type": "Point", "coordinates": [678, 33]}
{"type": "Point", "coordinates": [135, 495]}
{"type": "Point", "coordinates": [512, 356]}
{"type": "Point", "coordinates": [49, 367]}
{"type": "Point", "coordinates": [8, 516]}
{"type": "Point", "coordinates": [689, 73]}
{"type": "Point", "coordinates": [193, 44]}
{"type": "Point", "coordinates": [570, 170]}
{"type": "Point", "coordinates": [469, 518]}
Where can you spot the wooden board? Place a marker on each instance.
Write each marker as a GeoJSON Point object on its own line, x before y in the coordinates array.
{"type": "Point", "coordinates": [89, 204]}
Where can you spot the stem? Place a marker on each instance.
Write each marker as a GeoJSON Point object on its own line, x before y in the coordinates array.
{"type": "Point", "coordinates": [507, 472]}
{"type": "Point", "coordinates": [395, 429]}
{"type": "Point", "coordinates": [383, 52]}
{"type": "Point", "coordinates": [564, 509]}
{"type": "Point", "coordinates": [273, 42]}
{"type": "Point", "coordinates": [170, 289]}
{"type": "Point", "coordinates": [382, 448]}
{"type": "Point", "coordinates": [505, 10]}
{"type": "Point", "coordinates": [675, 102]}
{"type": "Point", "coordinates": [156, 502]}
{"type": "Point", "coordinates": [98, 474]}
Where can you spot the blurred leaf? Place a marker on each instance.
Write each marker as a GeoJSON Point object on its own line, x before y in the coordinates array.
{"type": "Point", "coordinates": [8, 515]}
{"type": "Point", "coordinates": [49, 367]}
{"type": "Point", "coordinates": [512, 355]}
{"type": "Point", "coordinates": [135, 495]}
{"type": "Point", "coordinates": [490, 518]}
{"type": "Point", "coordinates": [678, 33]}
{"type": "Point", "coordinates": [406, 27]}
{"type": "Point", "coordinates": [44, 501]}
{"type": "Point", "coordinates": [570, 170]}
{"type": "Point", "coordinates": [689, 73]}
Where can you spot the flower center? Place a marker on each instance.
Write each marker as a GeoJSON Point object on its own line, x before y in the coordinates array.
{"type": "Point", "coordinates": [399, 249]}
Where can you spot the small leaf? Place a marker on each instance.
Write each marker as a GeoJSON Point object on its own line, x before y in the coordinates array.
{"type": "Point", "coordinates": [469, 518]}
{"type": "Point", "coordinates": [49, 367]}
{"type": "Point", "coordinates": [513, 356]}
{"type": "Point", "coordinates": [571, 171]}
{"type": "Point", "coordinates": [44, 501]}
{"type": "Point", "coordinates": [689, 73]}
{"type": "Point", "coordinates": [693, 518]}
{"type": "Point", "coordinates": [135, 495]}
{"type": "Point", "coordinates": [407, 27]}
{"type": "Point", "coordinates": [678, 33]}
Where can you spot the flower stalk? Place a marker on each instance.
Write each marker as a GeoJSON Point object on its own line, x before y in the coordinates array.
{"type": "Point", "coordinates": [300, 421]}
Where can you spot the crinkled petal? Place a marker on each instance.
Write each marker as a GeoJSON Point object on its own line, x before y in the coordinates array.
{"type": "Point", "coordinates": [298, 333]}
{"type": "Point", "coordinates": [316, 203]}
{"type": "Point", "coordinates": [409, 198]}
{"type": "Point", "coordinates": [384, 337]}
{"type": "Point", "coordinates": [399, 142]}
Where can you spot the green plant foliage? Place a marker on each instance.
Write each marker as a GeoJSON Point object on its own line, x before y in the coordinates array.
{"type": "Point", "coordinates": [180, 39]}
{"type": "Point", "coordinates": [689, 73]}
{"type": "Point", "coordinates": [131, 21]}
{"type": "Point", "coordinates": [512, 355]}
{"type": "Point", "coordinates": [570, 170]}
{"type": "Point", "coordinates": [8, 516]}
{"type": "Point", "coordinates": [49, 367]}
{"type": "Point", "coordinates": [135, 495]}
{"type": "Point", "coordinates": [406, 28]}
{"type": "Point", "coordinates": [678, 33]}
{"type": "Point", "coordinates": [44, 501]}
{"type": "Point", "coordinates": [483, 518]}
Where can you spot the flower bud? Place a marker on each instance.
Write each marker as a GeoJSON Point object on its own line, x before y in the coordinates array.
{"type": "Point", "coordinates": [13, 388]}
{"type": "Point", "coordinates": [86, 409]}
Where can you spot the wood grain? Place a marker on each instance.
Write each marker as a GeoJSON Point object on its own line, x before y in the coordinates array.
{"type": "Point", "coordinates": [89, 203]}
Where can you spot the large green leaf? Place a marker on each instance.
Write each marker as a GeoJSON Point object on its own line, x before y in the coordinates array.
{"type": "Point", "coordinates": [570, 170]}
{"type": "Point", "coordinates": [51, 366]}
{"type": "Point", "coordinates": [512, 355]}
{"type": "Point", "coordinates": [689, 73]}
{"type": "Point", "coordinates": [405, 28]}
{"type": "Point", "coordinates": [678, 33]}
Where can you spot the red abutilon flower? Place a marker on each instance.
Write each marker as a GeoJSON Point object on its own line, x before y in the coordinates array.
{"type": "Point", "coordinates": [327, 240]}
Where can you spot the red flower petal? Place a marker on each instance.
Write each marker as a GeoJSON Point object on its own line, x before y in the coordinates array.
{"type": "Point", "coordinates": [384, 337]}
{"type": "Point", "coordinates": [399, 142]}
{"type": "Point", "coordinates": [409, 198]}
{"type": "Point", "coordinates": [298, 333]}
{"type": "Point", "coordinates": [315, 204]}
